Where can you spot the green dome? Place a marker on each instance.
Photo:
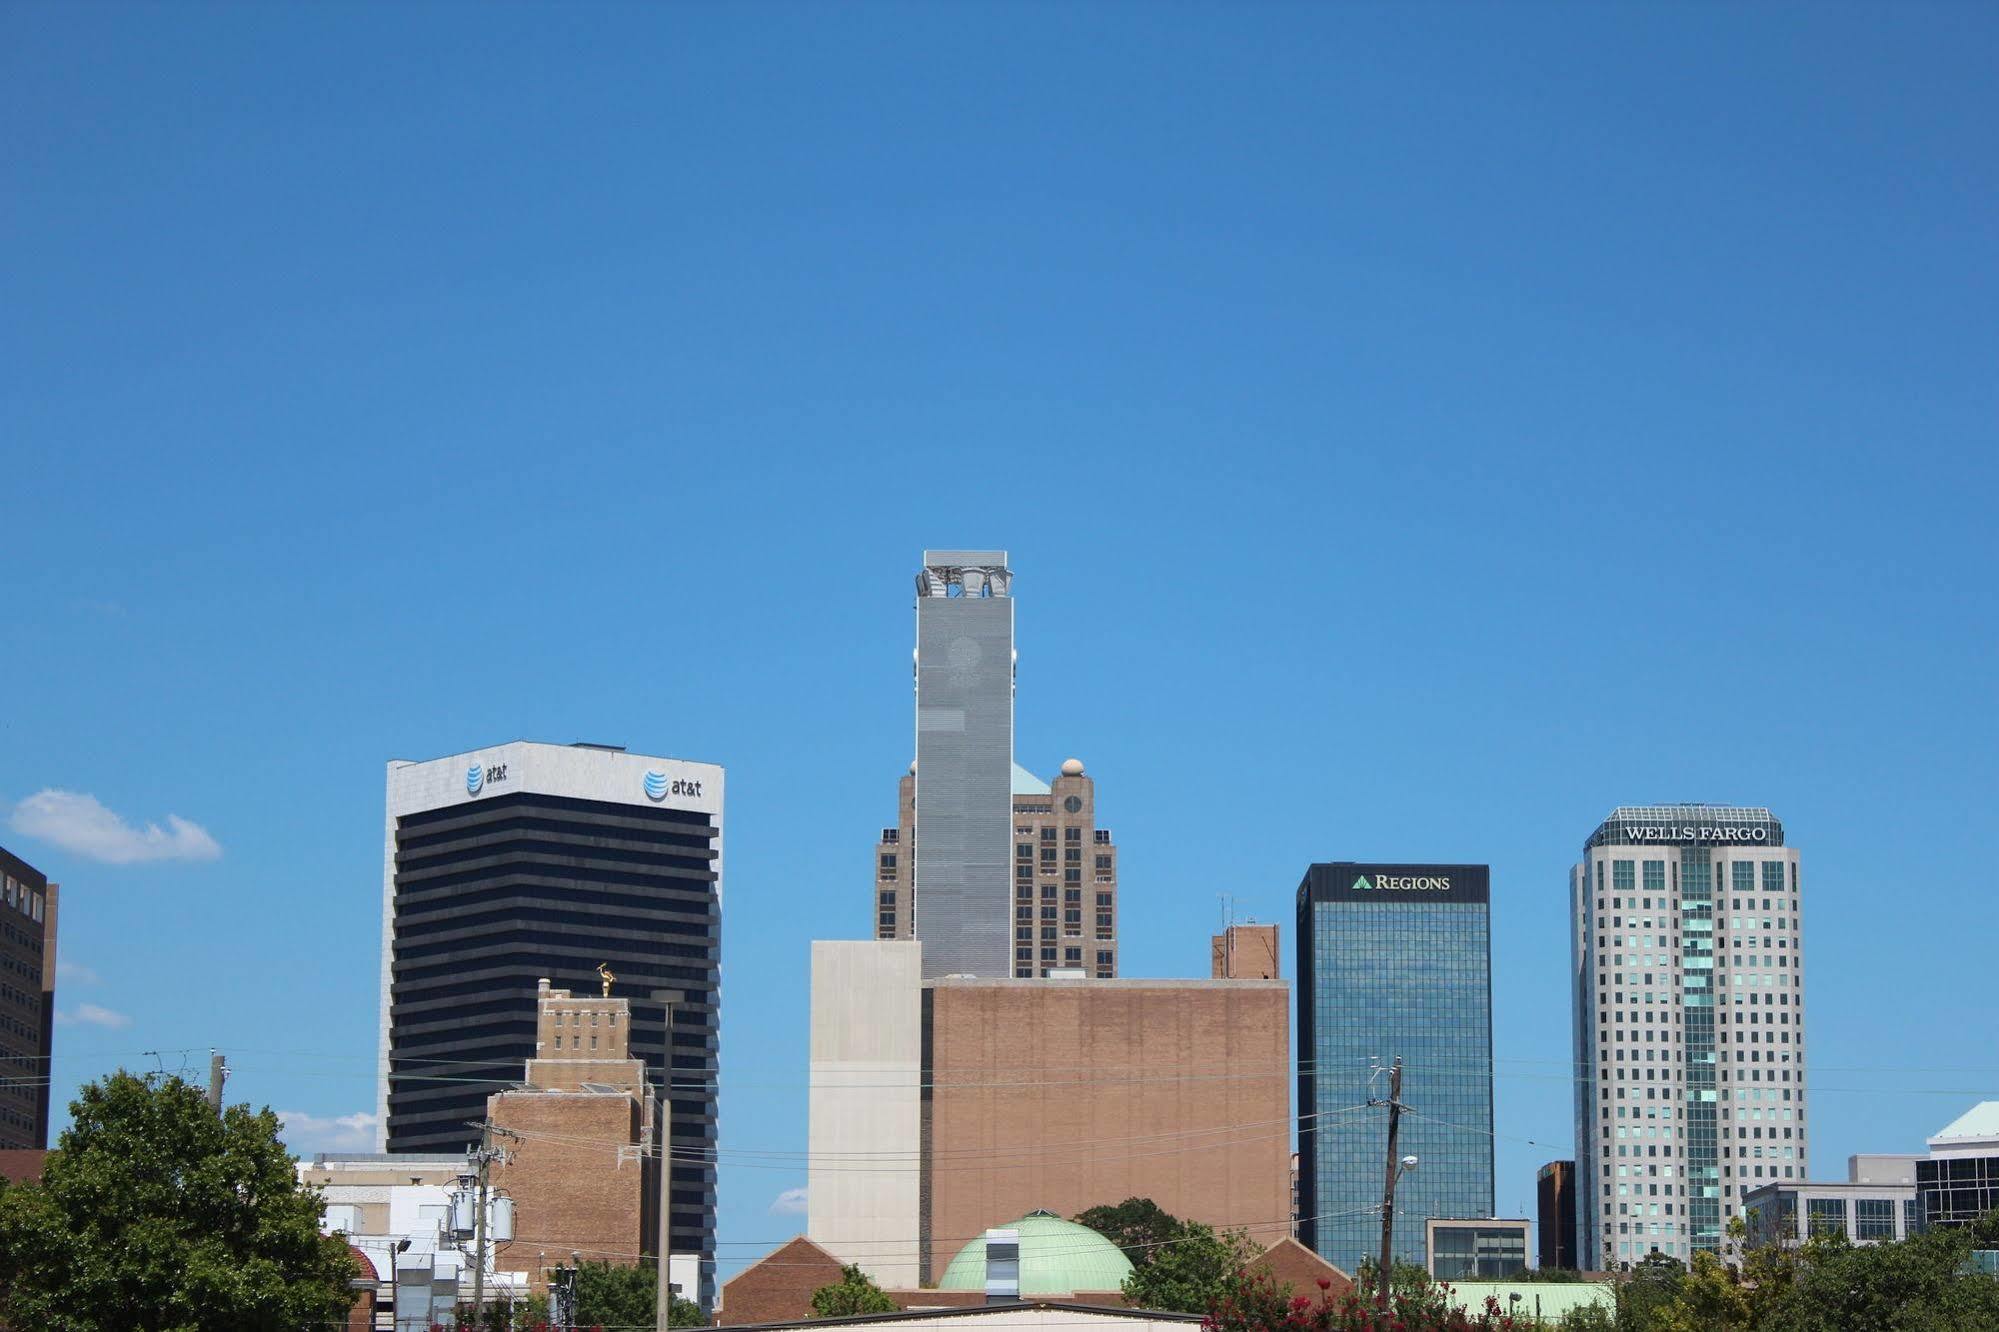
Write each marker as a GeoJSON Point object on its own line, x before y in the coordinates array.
{"type": "Point", "coordinates": [1057, 1257]}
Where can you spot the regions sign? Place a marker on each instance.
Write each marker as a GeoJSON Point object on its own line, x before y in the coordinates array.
{"type": "Point", "coordinates": [1401, 883]}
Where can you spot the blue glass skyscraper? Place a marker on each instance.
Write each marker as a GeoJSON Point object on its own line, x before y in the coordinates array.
{"type": "Point", "coordinates": [1393, 960]}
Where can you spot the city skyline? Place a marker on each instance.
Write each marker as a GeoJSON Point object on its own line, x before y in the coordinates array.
{"type": "Point", "coordinates": [1324, 379]}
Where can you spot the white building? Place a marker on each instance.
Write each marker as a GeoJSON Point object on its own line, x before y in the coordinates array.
{"type": "Point", "coordinates": [1689, 1026]}
{"type": "Point", "coordinates": [397, 1210]}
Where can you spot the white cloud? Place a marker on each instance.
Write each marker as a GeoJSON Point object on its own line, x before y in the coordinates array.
{"type": "Point", "coordinates": [93, 1015]}
{"type": "Point", "coordinates": [305, 1133]}
{"type": "Point", "coordinates": [76, 822]}
{"type": "Point", "coordinates": [75, 972]}
{"type": "Point", "coordinates": [790, 1202]}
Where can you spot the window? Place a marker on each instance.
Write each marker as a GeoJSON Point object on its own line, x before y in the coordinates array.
{"type": "Point", "coordinates": [1621, 876]}
{"type": "Point", "coordinates": [1773, 876]}
{"type": "Point", "coordinates": [1023, 850]}
{"type": "Point", "coordinates": [1825, 1216]}
{"type": "Point", "coordinates": [1074, 874]}
{"type": "Point", "coordinates": [1048, 853]}
{"type": "Point", "coordinates": [1103, 864]}
{"type": "Point", "coordinates": [1072, 956]}
{"type": "Point", "coordinates": [1072, 855]}
{"type": "Point", "coordinates": [886, 899]}
{"type": "Point", "coordinates": [888, 865]}
{"type": "Point", "coordinates": [1103, 957]}
{"type": "Point", "coordinates": [1655, 876]}
{"type": "Point", "coordinates": [1072, 834]}
{"type": "Point", "coordinates": [1874, 1218]}
{"type": "Point", "coordinates": [1047, 834]}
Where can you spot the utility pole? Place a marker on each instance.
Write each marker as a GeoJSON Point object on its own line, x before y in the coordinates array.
{"type": "Point", "coordinates": [483, 1157]}
{"type": "Point", "coordinates": [217, 1071]}
{"type": "Point", "coordinates": [1382, 1274]}
{"type": "Point", "coordinates": [663, 1126]}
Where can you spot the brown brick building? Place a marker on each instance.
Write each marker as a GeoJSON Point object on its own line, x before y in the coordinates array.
{"type": "Point", "coordinates": [1064, 1096]}
{"type": "Point", "coordinates": [579, 1138]}
{"type": "Point", "coordinates": [1243, 952]}
{"type": "Point", "coordinates": [1065, 875]}
{"type": "Point", "coordinates": [943, 1107]}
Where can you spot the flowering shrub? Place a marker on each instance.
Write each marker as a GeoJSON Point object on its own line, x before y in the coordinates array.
{"type": "Point", "coordinates": [1255, 1304]}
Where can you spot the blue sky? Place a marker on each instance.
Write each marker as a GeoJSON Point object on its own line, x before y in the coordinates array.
{"type": "Point", "coordinates": [1417, 430]}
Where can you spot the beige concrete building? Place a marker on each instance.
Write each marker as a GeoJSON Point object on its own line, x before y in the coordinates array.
{"type": "Point", "coordinates": [1064, 876]}
{"type": "Point", "coordinates": [940, 1108]}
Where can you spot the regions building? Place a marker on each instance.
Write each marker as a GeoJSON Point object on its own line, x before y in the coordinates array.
{"type": "Point", "coordinates": [1689, 1026]}
{"type": "Point", "coordinates": [1394, 961]}
{"type": "Point", "coordinates": [944, 1106]}
{"type": "Point", "coordinates": [503, 867]}
{"type": "Point", "coordinates": [27, 1002]}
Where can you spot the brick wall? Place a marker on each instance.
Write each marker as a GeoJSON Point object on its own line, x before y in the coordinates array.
{"type": "Point", "coordinates": [572, 1187]}
{"type": "Point", "coordinates": [778, 1287]}
{"type": "Point", "coordinates": [1065, 1095]}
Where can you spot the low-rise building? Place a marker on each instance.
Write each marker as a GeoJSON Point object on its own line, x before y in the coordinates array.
{"type": "Point", "coordinates": [396, 1211]}
{"type": "Point", "coordinates": [1788, 1212]}
{"type": "Point", "coordinates": [1039, 1258]}
{"type": "Point", "coordinates": [1475, 1248]}
{"type": "Point", "coordinates": [1959, 1181]}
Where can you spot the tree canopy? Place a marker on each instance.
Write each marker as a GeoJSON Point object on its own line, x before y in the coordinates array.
{"type": "Point", "coordinates": [1189, 1272]}
{"type": "Point", "coordinates": [854, 1293]}
{"type": "Point", "coordinates": [614, 1295]}
{"type": "Point", "coordinates": [1139, 1226]}
{"type": "Point", "coordinates": [154, 1212]}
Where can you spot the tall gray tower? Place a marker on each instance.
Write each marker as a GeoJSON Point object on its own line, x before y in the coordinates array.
{"type": "Point", "coordinates": [964, 762]}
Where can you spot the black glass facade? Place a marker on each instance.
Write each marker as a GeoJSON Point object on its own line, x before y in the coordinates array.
{"type": "Point", "coordinates": [1956, 1191]}
{"type": "Point", "coordinates": [491, 897]}
{"type": "Point", "coordinates": [27, 1002]}
{"type": "Point", "coordinates": [1393, 961]}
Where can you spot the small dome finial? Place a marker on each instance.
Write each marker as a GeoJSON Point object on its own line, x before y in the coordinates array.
{"type": "Point", "coordinates": [1072, 767]}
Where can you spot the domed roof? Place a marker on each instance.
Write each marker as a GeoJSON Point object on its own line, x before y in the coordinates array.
{"type": "Point", "coordinates": [1057, 1257]}
{"type": "Point", "coordinates": [1072, 767]}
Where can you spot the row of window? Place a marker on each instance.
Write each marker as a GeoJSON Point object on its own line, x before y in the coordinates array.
{"type": "Point", "coordinates": [23, 898]}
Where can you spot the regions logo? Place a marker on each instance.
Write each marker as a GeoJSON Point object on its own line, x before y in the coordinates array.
{"type": "Point", "coordinates": [1401, 883]}
{"type": "Point", "coordinates": [475, 778]}
{"type": "Point", "coordinates": [656, 785]}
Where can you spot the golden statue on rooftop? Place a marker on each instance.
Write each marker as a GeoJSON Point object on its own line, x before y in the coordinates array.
{"type": "Point", "coordinates": [604, 970]}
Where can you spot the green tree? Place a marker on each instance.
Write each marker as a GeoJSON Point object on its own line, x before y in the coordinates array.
{"type": "Point", "coordinates": [854, 1293]}
{"type": "Point", "coordinates": [1254, 1303]}
{"type": "Point", "coordinates": [1411, 1281]}
{"type": "Point", "coordinates": [613, 1295]}
{"type": "Point", "coordinates": [1921, 1284]}
{"type": "Point", "coordinates": [1710, 1298]}
{"type": "Point", "coordinates": [154, 1212]}
{"type": "Point", "coordinates": [1190, 1273]}
{"type": "Point", "coordinates": [1139, 1226]}
{"type": "Point", "coordinates": [1647, 1291]}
